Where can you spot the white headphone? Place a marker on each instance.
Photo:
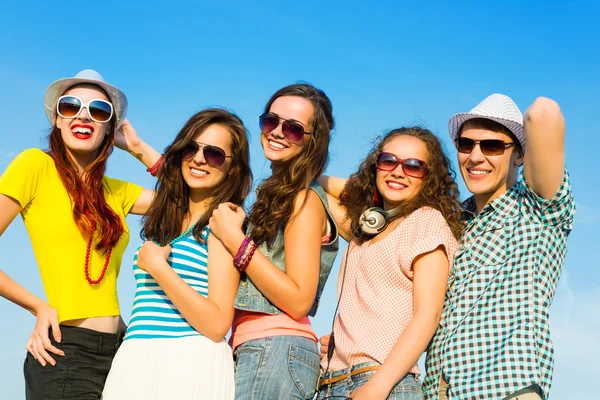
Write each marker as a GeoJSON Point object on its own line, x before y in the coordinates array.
{"type": "Point", "coordinates": [375, 219]}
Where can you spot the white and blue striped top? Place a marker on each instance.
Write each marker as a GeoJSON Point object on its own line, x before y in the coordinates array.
{"type": "Point", "coordinates": [153, 314]}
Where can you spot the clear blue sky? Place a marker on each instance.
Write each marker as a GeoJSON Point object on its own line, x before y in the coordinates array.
{"type": "Point", "coordinates": [384, 65]}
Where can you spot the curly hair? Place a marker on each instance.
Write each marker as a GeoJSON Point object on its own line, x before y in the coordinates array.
{"type": "Point", "coordinates": [439, 191]}
{"type": "Point", "coordinates": [276, 195]}
{"type": "Point", "coordinates": [164, 219]}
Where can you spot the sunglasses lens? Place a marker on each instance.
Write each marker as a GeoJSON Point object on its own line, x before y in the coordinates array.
{"type": "Point", "coordinates": [293, 132]}
{"type": "Point", "coordinates": [464, 145]}
{"type": "Point", "coordinates": [69, 106]}
{"type": "Point", "coordinates": [100, 110]}
{"type": "Point", "coordinates": [492, 147]}
{"type": "Point", "coordinates": [189, 151]}
{"type": "Point", "coordinates": [268, 123]}
{"type": "Point", "coordinates": [386, 162]}
{"type": "Point", "coordinates": [214, 156]}
{"type": "Point", "coordinates": [415, 168]}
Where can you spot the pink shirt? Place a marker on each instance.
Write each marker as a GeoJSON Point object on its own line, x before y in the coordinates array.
{"type": "Point", "coordinates": [248, 325]}
{"type": "Point", "coordinates": [377, 302]}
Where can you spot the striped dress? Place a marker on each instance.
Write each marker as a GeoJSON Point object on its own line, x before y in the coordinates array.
{"type": "Point", "coordinates": [162, 355]}
{"type": "Point", "coordinates": [153, 314]}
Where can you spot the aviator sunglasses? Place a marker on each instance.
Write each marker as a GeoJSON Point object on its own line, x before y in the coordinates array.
{"type": "Point", "coordinates": [489, 147]}
{"type": "Point", "coordinates": [214, 156]}
{"type": "Point", "coordinates": [410, 166]}
{"type": "Point", "coordinates": [70, 107]}
{"type": "Point", "coordinates": [292, 131]}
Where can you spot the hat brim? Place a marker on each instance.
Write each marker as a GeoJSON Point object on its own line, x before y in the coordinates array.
{"type": "Point", "coordinates": [458, 120]}
{"type": "Point", "coordinates": [59, 87]}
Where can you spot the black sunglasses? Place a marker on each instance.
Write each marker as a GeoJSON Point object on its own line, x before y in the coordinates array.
{"type": "Point", "coordinates": [489, 147]}
{"type": "Point", "coordinates": [214, 156]}
{"type": "Point", "coordinates": [411, 166]}
{"type": "Point", "coordinates": [292, 131]}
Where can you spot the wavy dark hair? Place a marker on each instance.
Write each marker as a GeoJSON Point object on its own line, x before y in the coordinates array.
{"type": "Point", "coordinates": [164, 219]}
{"type": "Point", "coordinates": [86, 191]}
{"type": "Point", "coordinates": [439, 190]}
{"type": "Point", "coordinates": [276, 195]}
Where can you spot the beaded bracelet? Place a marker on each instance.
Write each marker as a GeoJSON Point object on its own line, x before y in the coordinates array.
{"type": "Point", "coordinates": [157, 165]}
{"type": "Point", "coordinates": [241, 251]}
{"type": "Point", "coordinates": [247, 256]}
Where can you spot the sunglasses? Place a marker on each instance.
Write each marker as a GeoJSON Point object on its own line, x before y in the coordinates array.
{"type": "Point", "coordinates": [292, 131]}
{"type": "Point", "coordinates": [70, 107]}
{"type": "Point", "coordinates": [489, 147]}
{"type": "Point", "coordinates": [214, 156]}
{"type": "Point", "coordinates": [410, 166]}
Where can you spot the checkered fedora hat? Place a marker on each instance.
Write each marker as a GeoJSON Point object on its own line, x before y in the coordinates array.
{"type": "Point", "coordinates": [495, 107]}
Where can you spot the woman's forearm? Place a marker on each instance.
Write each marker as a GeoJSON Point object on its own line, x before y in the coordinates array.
{"type": "Point", "coordinates": [11, 290]}
{"type": "Point", "coordinates": [145, 153]}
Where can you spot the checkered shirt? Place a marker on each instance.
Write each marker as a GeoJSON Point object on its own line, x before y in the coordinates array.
{"type": "Point", "coordinates": [493, 338]}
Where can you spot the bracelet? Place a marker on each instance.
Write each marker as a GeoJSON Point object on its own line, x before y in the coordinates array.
{"type": "Point", "coordinates": [157, 165]}
{"type": "Point", "coordinates": [248, 256]}
{"type": "Point", "coordinates": [241, 251]}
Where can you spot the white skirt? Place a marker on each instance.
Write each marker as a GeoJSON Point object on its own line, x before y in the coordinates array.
{"type": "Point", "coordinates": [192, 367]}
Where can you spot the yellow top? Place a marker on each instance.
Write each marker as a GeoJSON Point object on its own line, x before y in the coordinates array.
{"type": "Point", "coordinates": [59, 248]}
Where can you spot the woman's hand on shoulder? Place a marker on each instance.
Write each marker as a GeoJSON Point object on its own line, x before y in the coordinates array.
{"type": "Point", "coordinates": [39, 343]}
{"type": "Point", "coordinates": [226, 224]}
{"type": "Point", "coordinates": [153, 256]}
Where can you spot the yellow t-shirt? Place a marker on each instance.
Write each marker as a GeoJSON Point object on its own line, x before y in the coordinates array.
{"type": "Point", "coordinates": [59, 248]}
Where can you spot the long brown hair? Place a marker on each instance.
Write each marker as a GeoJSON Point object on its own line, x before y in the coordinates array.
{"type": "Point", "coordinates": [276, 195]}
{"type": "Point", "coordinates": [87, 191]}
{"type": "Point", "coordinates": [439, 190]}
{"type": "Point", "coordinates": [165, 217]}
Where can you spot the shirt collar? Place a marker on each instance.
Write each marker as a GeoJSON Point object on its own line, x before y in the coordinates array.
{"type": "Point", "coordinates": [504, 205]}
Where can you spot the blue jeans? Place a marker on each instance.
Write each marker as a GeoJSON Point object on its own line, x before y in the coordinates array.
{"type": "Point", "coordinates": [278, 367]}
{"type": "Point", "coordinates": [407, 388]}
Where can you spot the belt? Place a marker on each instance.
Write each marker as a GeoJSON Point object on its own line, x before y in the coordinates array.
{"type": "Point", "coordinates": [329, 381]}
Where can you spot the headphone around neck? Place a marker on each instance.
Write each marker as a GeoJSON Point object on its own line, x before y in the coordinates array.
{"type": "Point", "coordinates": [374, 220]}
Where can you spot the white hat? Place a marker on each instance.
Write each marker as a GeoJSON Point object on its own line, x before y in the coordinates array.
{"type": "Point", "coordinates": [59, 87]}
{"type": "Point", "coordinates": [495, 107]}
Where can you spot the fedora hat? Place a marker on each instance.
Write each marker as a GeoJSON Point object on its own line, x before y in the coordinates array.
{"type": "Point", "coordinates": [59, 87]}
{"type": "Point", "coordinates": [496, 107]}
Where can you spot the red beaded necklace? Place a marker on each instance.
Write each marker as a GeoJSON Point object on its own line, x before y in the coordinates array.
{"type": "Point", "coordinates": [87, 261]}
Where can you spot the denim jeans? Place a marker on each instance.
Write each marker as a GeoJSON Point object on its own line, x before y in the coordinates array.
{"type": "Point", "coordinates": [278, 367]}
{"type": "Point", "coordinates": [407, 388]}
{"type": "Point", "coordinates": [80, 374]}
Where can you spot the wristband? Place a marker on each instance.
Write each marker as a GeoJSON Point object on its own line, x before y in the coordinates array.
{"type": "Point", "coordinates": [157, 165]}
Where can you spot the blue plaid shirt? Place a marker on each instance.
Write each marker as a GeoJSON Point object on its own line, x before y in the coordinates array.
{"type": "Point", "coordinates": [493, 338]}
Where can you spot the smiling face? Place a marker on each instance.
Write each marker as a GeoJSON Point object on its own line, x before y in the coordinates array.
{"type": "Point", "coordinates": [201, 177]}
{"type": "Point", "coordinates": [395, 186]}
{"type": "Point", "coordinates": [276, 148]}
{"type": "Point", "coordinates": [488, 177]}
{"type": "Point", "coordinates": [82, 135]}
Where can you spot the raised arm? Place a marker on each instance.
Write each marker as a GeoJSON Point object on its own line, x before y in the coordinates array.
{"type": "Point", "coordinates": [544, 160]}
{"type": "Point", "coordinates": [210, 316]}
{"type": "Point", "coordinates": [294, 290]}
{"type": "Point", "coordinates": [128, 140]}
{"type": "Point", "coordinates": [46, 316]}
{"type": "Point", "coordinates": [333, 187]}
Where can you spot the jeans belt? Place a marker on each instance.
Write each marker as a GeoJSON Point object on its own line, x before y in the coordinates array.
{"type": "Point", "coordinates": [329, 381]}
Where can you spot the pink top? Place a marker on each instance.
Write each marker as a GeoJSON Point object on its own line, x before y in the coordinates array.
{"type": "Point", "coordinates": [248, 325]}
{"type": "Point", "coordinates": [377, 302]}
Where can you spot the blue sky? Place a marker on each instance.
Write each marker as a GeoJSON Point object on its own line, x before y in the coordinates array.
{"type": "Point", "coordinates": [384, 65]}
